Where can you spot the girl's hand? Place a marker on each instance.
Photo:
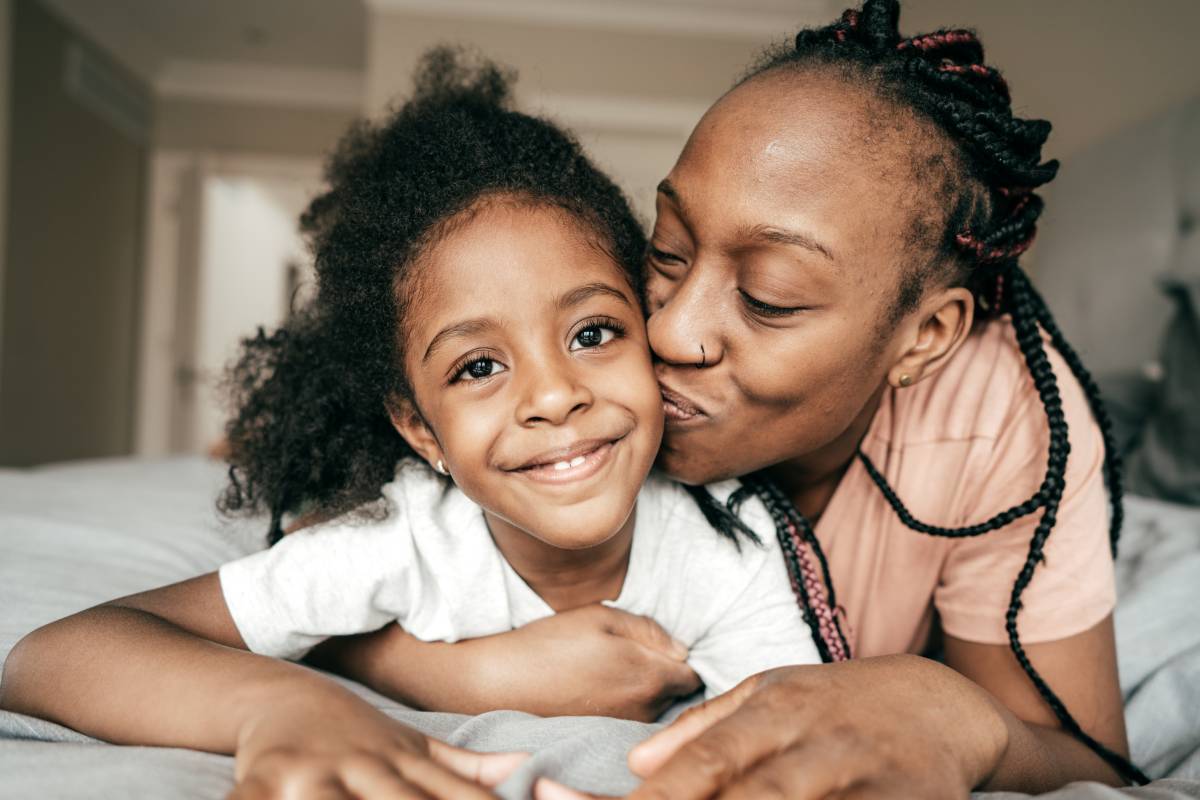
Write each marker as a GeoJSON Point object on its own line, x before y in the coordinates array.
{"type": "Point", "coordinates": [593, 660]}
{"type": "Point", "coordinates": [336, 746]}
{"type": "Point", "coordinates": [590, 660]}
{"type": "Point", "coordinates": [897, 726]}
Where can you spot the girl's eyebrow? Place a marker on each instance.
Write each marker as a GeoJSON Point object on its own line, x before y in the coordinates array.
{"type": "Point", "coordinates": [588, 291]}
{"type": "Point", "coordinates": [472, 327]}
{"type": "Point", "coordinates": [468, 327]}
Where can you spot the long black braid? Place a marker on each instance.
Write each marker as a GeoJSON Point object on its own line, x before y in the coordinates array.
{"type": "Point", "coordinates": [990, 218]}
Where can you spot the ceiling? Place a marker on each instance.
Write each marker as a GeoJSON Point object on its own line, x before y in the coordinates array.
{"type": "Point", "coordinates": [149, 36]}
{"type": "Point", "coordinates": [146, 35]}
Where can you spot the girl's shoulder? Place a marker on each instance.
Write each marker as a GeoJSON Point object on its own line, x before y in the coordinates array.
{"type": "Point", "coordinates": [676, 518]}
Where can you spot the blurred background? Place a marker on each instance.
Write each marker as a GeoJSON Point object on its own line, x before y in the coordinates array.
{"type": "Point", "coordinates": [155, 154]}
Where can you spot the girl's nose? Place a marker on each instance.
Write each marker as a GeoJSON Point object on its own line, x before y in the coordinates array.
{"type": "Point", "coordinates": [552, 394]}
{"type": "Point", "coordinates": [683, 330]}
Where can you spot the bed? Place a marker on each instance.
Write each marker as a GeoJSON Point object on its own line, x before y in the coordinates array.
{"type": "Point", "coordinates": [77, 534]}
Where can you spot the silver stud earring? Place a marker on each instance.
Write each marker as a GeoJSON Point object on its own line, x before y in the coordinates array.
{"type": "Point", "coordinates": [441, 468]}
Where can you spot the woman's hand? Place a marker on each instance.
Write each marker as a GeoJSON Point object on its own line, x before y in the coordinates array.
{"type": "Point", "coordinates": [333, 745]}
{"type": "Point", "coordinates": [591, 660]}
{"type": "Point", "coordinates": [896, 726]}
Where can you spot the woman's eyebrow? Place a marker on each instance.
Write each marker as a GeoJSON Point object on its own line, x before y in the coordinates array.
{"type": "Point", "coordinates": [774, 235]}
{"type": "Point", "coordinates": [468, 327]}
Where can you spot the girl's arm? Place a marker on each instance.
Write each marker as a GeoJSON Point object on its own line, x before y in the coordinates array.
{"type": "Point", "coordinates": [166, 668]}
{"type": "Point", "coordinates": [620, 665]}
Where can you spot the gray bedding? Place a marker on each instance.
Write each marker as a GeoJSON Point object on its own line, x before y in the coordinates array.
{"type": "Point", "coordinates": [75, 535]}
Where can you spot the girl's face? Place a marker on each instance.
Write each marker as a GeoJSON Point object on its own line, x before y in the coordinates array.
{"type": "Point", "coordinates": [778, 247]}
{"type": "Point", "coordinates": [527, 356]}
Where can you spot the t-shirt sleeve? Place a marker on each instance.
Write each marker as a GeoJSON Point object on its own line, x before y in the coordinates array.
{"type": "Point", "coordinates": [1074, 588]}
{"type": "Point", "coordinates": [762, 628]}
{"type": "Point", "coordinates": [330, 580]}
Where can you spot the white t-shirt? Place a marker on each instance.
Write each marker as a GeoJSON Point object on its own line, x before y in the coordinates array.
{"type": "Point", "coordinates": [433, 567]}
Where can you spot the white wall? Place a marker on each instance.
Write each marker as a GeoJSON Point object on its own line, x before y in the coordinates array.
{"type": "Point", "coordinates": [249, 236]}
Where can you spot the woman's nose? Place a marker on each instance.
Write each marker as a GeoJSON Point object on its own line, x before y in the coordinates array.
{"type": "Point", "coordinates": [551, 394]}
{"type": "Point", "coordinates": [683, 328]}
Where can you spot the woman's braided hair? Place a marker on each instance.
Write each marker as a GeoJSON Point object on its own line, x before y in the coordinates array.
{"type": "Point", "coordinates": [990, 214]}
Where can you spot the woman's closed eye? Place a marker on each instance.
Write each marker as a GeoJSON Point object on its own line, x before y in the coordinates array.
{"type": "Point", "coordinates": [664, 261]}
{"type": "Point", "coordinates": [766, 309]}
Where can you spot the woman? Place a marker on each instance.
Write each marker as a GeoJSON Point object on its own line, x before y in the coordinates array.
{"type": "Point", "coordinates": [840, 318]}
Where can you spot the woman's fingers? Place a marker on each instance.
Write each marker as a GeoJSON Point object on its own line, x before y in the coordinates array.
{"type": "Point", "coordinates": [650, 755]}
{"type": "Point", "coordinates": [715, 758]}
{"type": "Point", "coordinates": [487, 769]}
{"type": "Point", "coordinates": [798, 773]}
{"type": "Point", "coordinates": [378, 780]}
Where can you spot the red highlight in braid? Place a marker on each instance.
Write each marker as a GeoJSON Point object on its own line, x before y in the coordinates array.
{"type": "Point", "coordinates": [985, 254]}
{"type": "Point", "coordinates": [981, 71]}
{"type": "Point", "coordinates": [936, 41]}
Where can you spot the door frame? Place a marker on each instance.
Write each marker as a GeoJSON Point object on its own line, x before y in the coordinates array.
{"type": "Point", "coordinates": [171, 262]}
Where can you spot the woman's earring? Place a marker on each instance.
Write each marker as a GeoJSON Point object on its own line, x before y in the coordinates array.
{"type": "Point", "coordinates": [905, 380]}
{"type": "Point", "coordinates": [441, 468]}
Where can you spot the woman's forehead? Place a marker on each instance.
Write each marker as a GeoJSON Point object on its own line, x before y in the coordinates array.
{"type": "Point", "coordinates": [804, 148]}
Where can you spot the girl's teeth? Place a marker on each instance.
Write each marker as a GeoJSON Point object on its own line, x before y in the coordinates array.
{"type": "Point", "coordinates": [574, 462]}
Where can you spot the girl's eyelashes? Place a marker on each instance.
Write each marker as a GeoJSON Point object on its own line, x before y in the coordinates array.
{"type": "Point", "coordinates": [596, 332]}
{"type": "Point", "coordinates": [766, 309]}
{"type": "Point", "coordinates": [475, 366]}
{"type": "Point", "coordinates": [590, 334]}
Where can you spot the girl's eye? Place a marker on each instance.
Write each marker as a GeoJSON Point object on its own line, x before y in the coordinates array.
{"type": "Point", "coordinates": [478, 369]}
{"type": "Point", "coordinates": [766, 309]}
{"type": "Point", "coordinates": [592, 336]}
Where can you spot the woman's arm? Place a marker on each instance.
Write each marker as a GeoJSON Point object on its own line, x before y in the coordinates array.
{"type": "Point", "coordinates": [164, 668]}
{"type": "Point", "coordinates": [593, 660]}
{"type": "Point", "coordinates": [1082, 671]}
{"type": "Point", "coordinates": [892, 726]}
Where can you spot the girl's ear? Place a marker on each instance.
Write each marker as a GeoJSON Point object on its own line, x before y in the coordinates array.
{"type": "Point", "coordinates": [945, 321]}
{"type": "Point", "coordinates": [409, 423]}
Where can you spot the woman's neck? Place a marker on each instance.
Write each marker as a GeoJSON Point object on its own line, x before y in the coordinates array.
{"type": "Point", "coordinates": [566, 579]}
{"type": "Point", "coordinates": [811, 480]}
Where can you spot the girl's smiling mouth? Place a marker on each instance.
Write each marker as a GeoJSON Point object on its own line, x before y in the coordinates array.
{"type": "Point", "coordinates": [569, 464]}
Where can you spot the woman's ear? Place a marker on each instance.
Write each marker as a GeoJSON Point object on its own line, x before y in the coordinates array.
{"type": "Point", "coordinates": [409, 423]}
{"type": "Point", "coordinates": [945, 318]}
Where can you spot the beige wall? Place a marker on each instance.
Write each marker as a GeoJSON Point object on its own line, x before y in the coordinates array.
{"type": "Point", "coordinates": [72, 262]}
{"type": "Point", "coordinates": [1089, 67]}
{"type": "Point", "coordinates": [632, 97]}
{"type": "Point", "coordinates": [242, 128]}
{"type": "Point", "coordinates": [5, 78]}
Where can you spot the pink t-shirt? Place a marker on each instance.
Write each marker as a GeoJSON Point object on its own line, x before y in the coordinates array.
{"type": "Point", "coordinates": [959, 447]}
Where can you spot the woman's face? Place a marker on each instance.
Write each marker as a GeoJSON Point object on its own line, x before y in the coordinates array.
{"type": "Point", "coordinates": [774, 268]}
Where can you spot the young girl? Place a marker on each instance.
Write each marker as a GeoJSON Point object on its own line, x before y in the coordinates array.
{"type": "Point", "coordinates": [475, 362]}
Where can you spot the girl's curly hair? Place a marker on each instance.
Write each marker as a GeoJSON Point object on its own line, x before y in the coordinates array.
{"type": "Point", "coordinates": [310, 429]}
